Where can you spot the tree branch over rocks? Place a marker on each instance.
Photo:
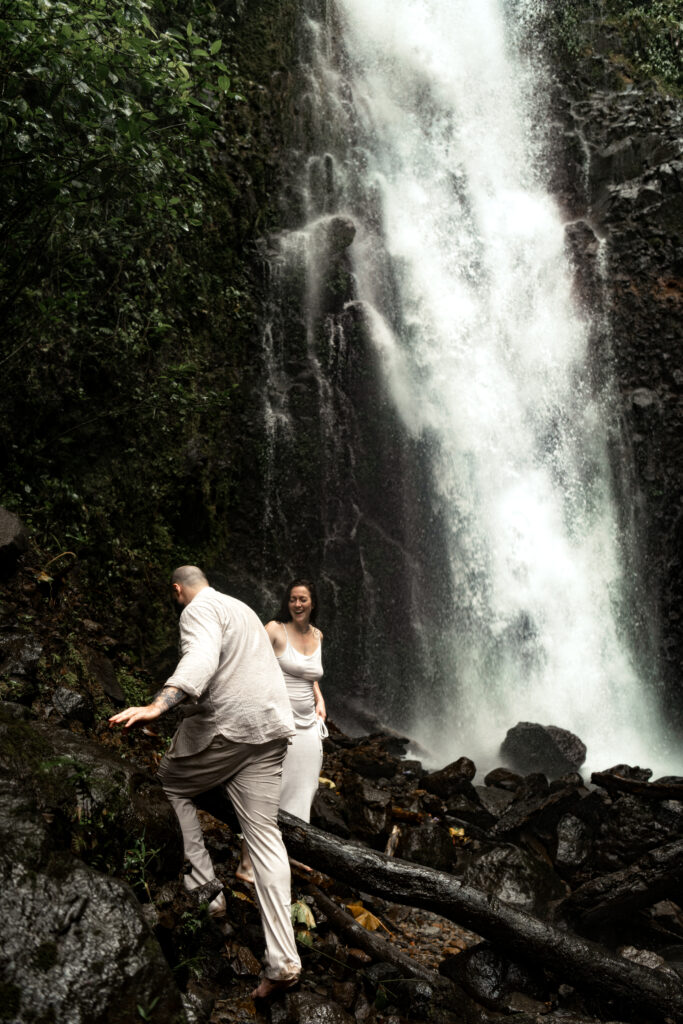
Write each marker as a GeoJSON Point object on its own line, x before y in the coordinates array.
{"type": "Point", "coordinates": [657, 875]}
{"type": "Point", "coordinates": [376, 945]}
{"type": "Point", "coordinates": [586, 965]}
{"type": "Point", "coordinates": [614, 781]}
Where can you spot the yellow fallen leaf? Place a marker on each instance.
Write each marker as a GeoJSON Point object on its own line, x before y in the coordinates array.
{"type": "Point", "coordinates": [241, 896]}
{"type": "Point", "coordinates": [365, 918]}
{"type": "Point", "coordinates": [458, 836]}
{"type": "Point", "coordinates": [301, 914]}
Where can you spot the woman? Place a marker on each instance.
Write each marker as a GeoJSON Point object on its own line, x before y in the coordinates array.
{"type": "Point", "coordinates": [297, 643]}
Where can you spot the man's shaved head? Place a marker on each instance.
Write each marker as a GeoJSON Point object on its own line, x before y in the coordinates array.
{"type": "Point", "coordinates": [189, 576]}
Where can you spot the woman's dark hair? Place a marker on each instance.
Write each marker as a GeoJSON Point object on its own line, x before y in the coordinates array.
{"type": "Point", "coordinates": [283, 614]}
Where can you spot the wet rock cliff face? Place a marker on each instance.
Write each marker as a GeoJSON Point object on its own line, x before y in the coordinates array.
{"type": "Point", "coordinates": [620, 176]}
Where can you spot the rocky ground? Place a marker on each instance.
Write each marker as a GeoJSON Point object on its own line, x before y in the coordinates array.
{"type": "Point", "coordinates": [434, 896]}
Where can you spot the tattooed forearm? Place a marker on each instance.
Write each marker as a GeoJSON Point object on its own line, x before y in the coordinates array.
{"type": "Point", "coordinates": [168, 698]}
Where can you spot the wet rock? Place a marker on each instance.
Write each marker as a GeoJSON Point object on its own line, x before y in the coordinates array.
{"type": "Point", "coordinates": [541, 810]}
{"type": "Point", "coordinates": [673, 956]}
{"type": "Point", "coordinates": [413, 998]}
{"type": "Point", "coordinates": [75, 945]}
{"type": "Point", "coordinates": [20, 654]}
{"type": "Point", "coordinates": [70, 706]}
{"type": "Point", "coordinates": [309, 1008]}
{"type": "Point", "coordinates": [574, 844]}
{"type": "Point", "coordinates": [369, 808]}
{"type": "Point", "coordinates": [197, 1006]}
{"type": "Point", "coordinates": [468, 807]}
{"type": "Point", "coordinates": [245, 963]}
{"type": "Point", "coordinates": [494, 800]}
{"type": "Point", "coordinates": [492, 978]}
{"type": "Point", "coordinates": [570, 779]}
{"type": "Point", "coordinates": [13, 542]}
{"type": "Point", "coordinates": [531, 747]}
{"type": "Point", "coordinates": [104, 673]}
{"type": "Point", "coordinates": [345, 993]}
{"type": "Point", "coordinates": [69, 775]}
{"type": "Point", "coordinates": [77, 949]}
{"type": "Point", "coordinates": [334, 234]}
{"type": "Point", "coordinates": [503, 778]}
{"type": "Point", "coordinates": [646, 958]}
{"type": "Point", "coordinates": [329, 812]}
{"type": "Point", "coordinates": [371, 761]}
{"type": "Point", "coordinates": [630, 827]}
{"type": "Point", "coordinates": [431, 845]}
{"type": "Point", "coordinates": [627, 771]}
{"type": "Point", "coordinates": [514, 876]}
{"type": "Point", "coordinates": [454, 778]}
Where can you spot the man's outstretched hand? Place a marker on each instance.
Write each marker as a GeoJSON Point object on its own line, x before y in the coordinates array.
{"type": "Point", "coordinates": [132, 715]}
{"type": "Point", "coordinates": [167, 698]}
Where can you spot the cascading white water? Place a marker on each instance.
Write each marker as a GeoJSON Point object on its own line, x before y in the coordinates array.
{"type": "Point", "coordinates": [486, 355]}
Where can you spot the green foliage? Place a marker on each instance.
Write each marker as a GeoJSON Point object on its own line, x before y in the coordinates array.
{"type": "Point", "coordinates": [123, 290]}
{"type": "Point", "coordinates": [146, 1012]}
{"type": "Point", "coordinates": [653, 35]}
{"type": "Point", "coordinates": [648, 36]}
{"type": "Point", "coordinates": [136, 862]}
{"type": "Point", "coordinates": [136, 689]}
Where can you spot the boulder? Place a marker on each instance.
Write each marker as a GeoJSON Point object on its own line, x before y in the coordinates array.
{"type": "Point", "coordinates": [19, 657]}
{"type": "Point", "coordinates": [309, 1008]}
{"type": "Point", "coordinates": [70, 706]}
{"type": "Point", "coordinates": [455, 777]}
{"type": "Point", "coordinates": [516, 877]}
{"type": "Point", "coordinates": [492, 978]}
{"type": "Point", "coordinates": [103, 671]}
{"type": "Point", "coordinates": [13, 542]}
{"type": "Point", "coordinates": [369, 808]}
{"type": "Point", "coordinates": [430, 845]}
{"type": "Point", "coordinates": [75, 945]}
{"type": "Point", "coordinates": [530, 747]}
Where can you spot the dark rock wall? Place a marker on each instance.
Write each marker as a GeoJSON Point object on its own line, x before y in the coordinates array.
{"type": "Point", "coordinates": [619, 175]}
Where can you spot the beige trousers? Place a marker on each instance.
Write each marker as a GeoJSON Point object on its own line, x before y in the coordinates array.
{"type": "Point", "coordinates": [251, 774]}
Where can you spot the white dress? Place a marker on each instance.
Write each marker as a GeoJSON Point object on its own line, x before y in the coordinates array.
{"type": "Point", "coordinates": [304, 757]}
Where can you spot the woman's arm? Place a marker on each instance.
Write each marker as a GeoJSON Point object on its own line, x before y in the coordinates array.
{"type": "Point", "coordinates": [276, 635]}
{"type": "Point", "coordinates": [319, 702]}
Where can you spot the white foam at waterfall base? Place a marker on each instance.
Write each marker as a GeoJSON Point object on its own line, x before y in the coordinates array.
{"type": "Point", "coordinates": [486, 357]}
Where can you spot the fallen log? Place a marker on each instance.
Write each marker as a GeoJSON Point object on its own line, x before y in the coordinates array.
{"type": "Point", "coordinates": [637, 990]}
{"type": "Point", "coordinates": [613, 782]}
{"type": "Point", "coordinates": [375, 945]}
{"type": "Point", "coordinates": [656, 876]}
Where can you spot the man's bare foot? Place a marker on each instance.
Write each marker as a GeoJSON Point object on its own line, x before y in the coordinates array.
{"type": "Point", "coordinates": [269, 987]}
{"type": "Point", "coordinates": [245, 869]}
{"type": "Point", "coordinates": [300, 866]}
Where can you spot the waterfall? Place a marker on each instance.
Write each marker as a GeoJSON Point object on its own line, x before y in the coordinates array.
{"type": "Point", "coordinates": [429, 139]}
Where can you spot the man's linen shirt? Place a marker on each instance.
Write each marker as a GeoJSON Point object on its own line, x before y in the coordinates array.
{"type": "Point", "coordinates": [230, 672]}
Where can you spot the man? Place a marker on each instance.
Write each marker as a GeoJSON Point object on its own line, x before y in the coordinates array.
{"type": "Point", "coordinates": [235, 732]}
